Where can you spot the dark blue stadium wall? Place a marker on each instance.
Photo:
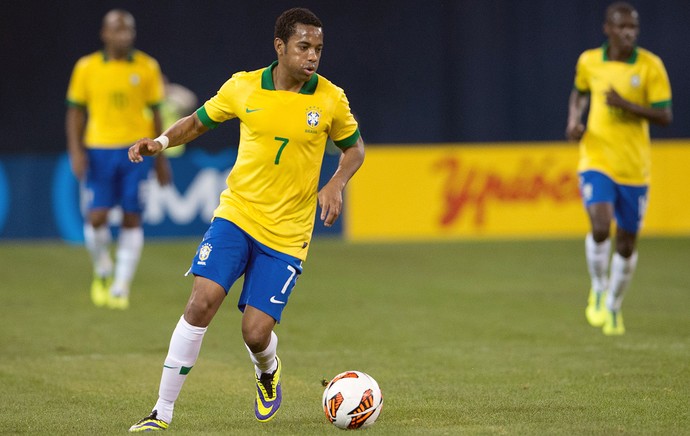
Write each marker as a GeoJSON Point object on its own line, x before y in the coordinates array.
{"type": "Point", "coordinates": [415, 71]}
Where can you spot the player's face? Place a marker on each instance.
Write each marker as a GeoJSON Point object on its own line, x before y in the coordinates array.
{"type": "Point", "coordinates": [622, 29]}
{"type": "Point", "coordinates": [118, 33]}
{"type": "Point", "coordinates": [302, 52]}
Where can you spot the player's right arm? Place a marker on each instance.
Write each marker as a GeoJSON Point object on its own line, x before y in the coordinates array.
{"type": "Point", "coordinates": [75, 123]}
{"type": "Point", "coordinates": [577, 103]}
{"type": "Point", "coordinates": [183, 131]}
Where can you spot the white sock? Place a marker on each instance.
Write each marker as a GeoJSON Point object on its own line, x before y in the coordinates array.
{"type": "Point", "coordinates": [182, 354]}
{"type": "Point", "coordinates": [129, 247]}
{"type": "Point", "coordinates": [97, 241]}
{"type": "Point", "coordinates": [622, 271]}
{"type": "Point", "coordinates": [265, 361]}
{"type": "Point", "coordinates": [597, 255]}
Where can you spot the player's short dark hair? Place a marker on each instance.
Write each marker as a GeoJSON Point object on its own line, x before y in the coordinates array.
{"type": "Point", "coordinates": [624, 7]}
{"type": "Point", "coordinates": [285, 24]}
{"type": "Point", "coordinates": [120, 12]}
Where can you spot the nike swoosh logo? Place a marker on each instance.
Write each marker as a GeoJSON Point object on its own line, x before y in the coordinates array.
{"type": "Point", "coordinates": [273, 300]}
{"type": "Point", "coordinates": [263, 410]}
{"type": "Point", "coordinates": [170, 367]}
{"type": "Point", "coordinates": [252, 110]}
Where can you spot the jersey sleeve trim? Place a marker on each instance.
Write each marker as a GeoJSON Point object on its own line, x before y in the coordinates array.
{"type": "Point", "coordinates": [349, 141]}
{"type": "Point", "coordinates": [72, 103]}
{"type": "Point", "coordinates": [581, 92]}
{"type": "Point", "coordinates": [205, 119]}
{"type": "Point", "coordinates": [661, 104]}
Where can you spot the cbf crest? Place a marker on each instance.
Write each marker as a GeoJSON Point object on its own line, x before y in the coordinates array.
{"type": "Point", "coordinates": [134, 79]}
{"type": "Point", "coordinates": [204, 253]}
{"type": "Point", "coordinates": [635, 81]}
{"type": "Point", "coordinates": [313, 116]}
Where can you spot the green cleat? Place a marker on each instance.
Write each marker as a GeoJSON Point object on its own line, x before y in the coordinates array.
{"type": "Point", "coordinates": [100, 290]}
{"type": "Point", "coordinates": [614, 323]}
{"type": "Point", "coordinates": [150, 423]}
{"type": "Point", "coordinates": [596, 310]}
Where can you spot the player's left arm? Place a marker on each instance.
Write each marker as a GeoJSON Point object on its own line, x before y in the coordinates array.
{"type": "Point", "coordinates": [577, 104]}
{"type": "Point", "coordinates": [662, 116]}
{"type": "Point", "coordinates": [161, 164]}
{"type": "Point", "coordinates": [331, 195]}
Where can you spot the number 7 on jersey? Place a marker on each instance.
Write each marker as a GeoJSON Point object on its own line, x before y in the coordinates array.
{"type": "Point", "coordinates": [282, 146]}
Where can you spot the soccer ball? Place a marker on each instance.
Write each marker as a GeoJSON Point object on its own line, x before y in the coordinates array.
{"type": "Point", "coordinates": [352, 400]}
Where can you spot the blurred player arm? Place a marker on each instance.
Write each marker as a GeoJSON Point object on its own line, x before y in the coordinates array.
{"type": "Point", "coordinates": [661, 116]}
{"type": "Point", "coordinates": [577, 104]}
{"type": "Point", "coordinates": [75, 124]}
{"type": "Point", "coordinates": [161, 164]}
{"type": "Point", "coordinates": [183, 131]}
{"type": "Point", "coordinates": [331, 195]}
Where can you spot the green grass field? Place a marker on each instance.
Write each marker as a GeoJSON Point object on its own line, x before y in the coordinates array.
{"type": "Point", "coordinates": [464, 338]}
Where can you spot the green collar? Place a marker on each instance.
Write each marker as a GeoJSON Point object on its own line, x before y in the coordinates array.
{"type": "Point", "coordinates": [130, 56]}
{"type": "Point", "coordinates": [631, 60]}
{"type": "Point", "coordinates": [309, 87]}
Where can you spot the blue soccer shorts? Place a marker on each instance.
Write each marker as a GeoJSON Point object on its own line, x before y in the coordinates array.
{"type": "Point", "coordinates": [227, 252]}
{"type": "Point", "coordinates": [112, 180]}
{"type": "Point", "coordinates": [629, 202]}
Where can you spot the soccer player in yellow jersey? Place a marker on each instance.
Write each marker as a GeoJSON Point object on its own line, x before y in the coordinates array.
{"type": "Point", "coordinates": [626, 87]}
{"type": "Point", "coordinates": [112, 100]}
{"type": "Point", "coordinates": [263, 225]}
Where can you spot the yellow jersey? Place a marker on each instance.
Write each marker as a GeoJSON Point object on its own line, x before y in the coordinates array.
{"type": "Point", "coordinates": [272, 189]}
{"type": "Point", "coordinates": [617, 142]}
{"type": "Point", "coordinates": [117, 95]}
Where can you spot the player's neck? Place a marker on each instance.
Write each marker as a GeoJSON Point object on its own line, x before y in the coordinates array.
{"type": "Point", "coordinates": [618, 54]}
{"type": "Point", "coordinates": [117, 55]}
{"type": "Point", "coordinates": [282, 81]}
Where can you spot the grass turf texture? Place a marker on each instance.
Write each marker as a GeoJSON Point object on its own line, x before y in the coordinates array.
{"type": "Point", "coordinates": [464, 338]}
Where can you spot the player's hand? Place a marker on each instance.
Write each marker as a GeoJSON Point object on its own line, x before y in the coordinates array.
{"type": "Point", "coordinates": [143, 147]}
{"type": "Point", "coordinates": [574, 131]}
{"type": "Point", "coordinates": [331, 202]}
{"type": "Point", "coordinates": [614, 99]}
{"type": "Point", "coordinates": [79, 162]}
{"type": "Point", "coordinates": [163, 170]}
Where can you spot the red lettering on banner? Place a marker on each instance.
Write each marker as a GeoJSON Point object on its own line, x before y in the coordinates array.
{"type": "Point", "coordinates": [471, 186]}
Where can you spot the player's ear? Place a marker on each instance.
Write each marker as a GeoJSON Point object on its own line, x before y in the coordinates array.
{"type": "Point", "coordinates": [279, 46]}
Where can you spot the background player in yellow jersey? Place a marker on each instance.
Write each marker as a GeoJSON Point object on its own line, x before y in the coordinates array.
{"type": "Point", "coordinates": [628, 88]}
{"type": "Point", "coordinates": [113, 99]}
{"type": "Point", "coordinates": [263, 225]}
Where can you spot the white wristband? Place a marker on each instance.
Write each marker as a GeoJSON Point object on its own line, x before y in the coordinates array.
{"type": "Point", "coordinates": [163, 140]}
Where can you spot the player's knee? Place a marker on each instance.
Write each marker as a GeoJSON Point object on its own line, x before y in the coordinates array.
{"type": "Point", "coordinates": [625, 249]}
{"type": "Point", "coordinates": [98, 219]}
{"type": "Point", "coordinates": [600, 233]}
{"type": "Point", "coordinates": [131, 220]}
{"type": "Point", "coordinates": [198, 313]}
{"type": "Point", "coordinates": [256, 340]}
{"type": "Point", "coordinates": [202, 306]}
{"type": "Point", "coordinates": [257, 334]}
